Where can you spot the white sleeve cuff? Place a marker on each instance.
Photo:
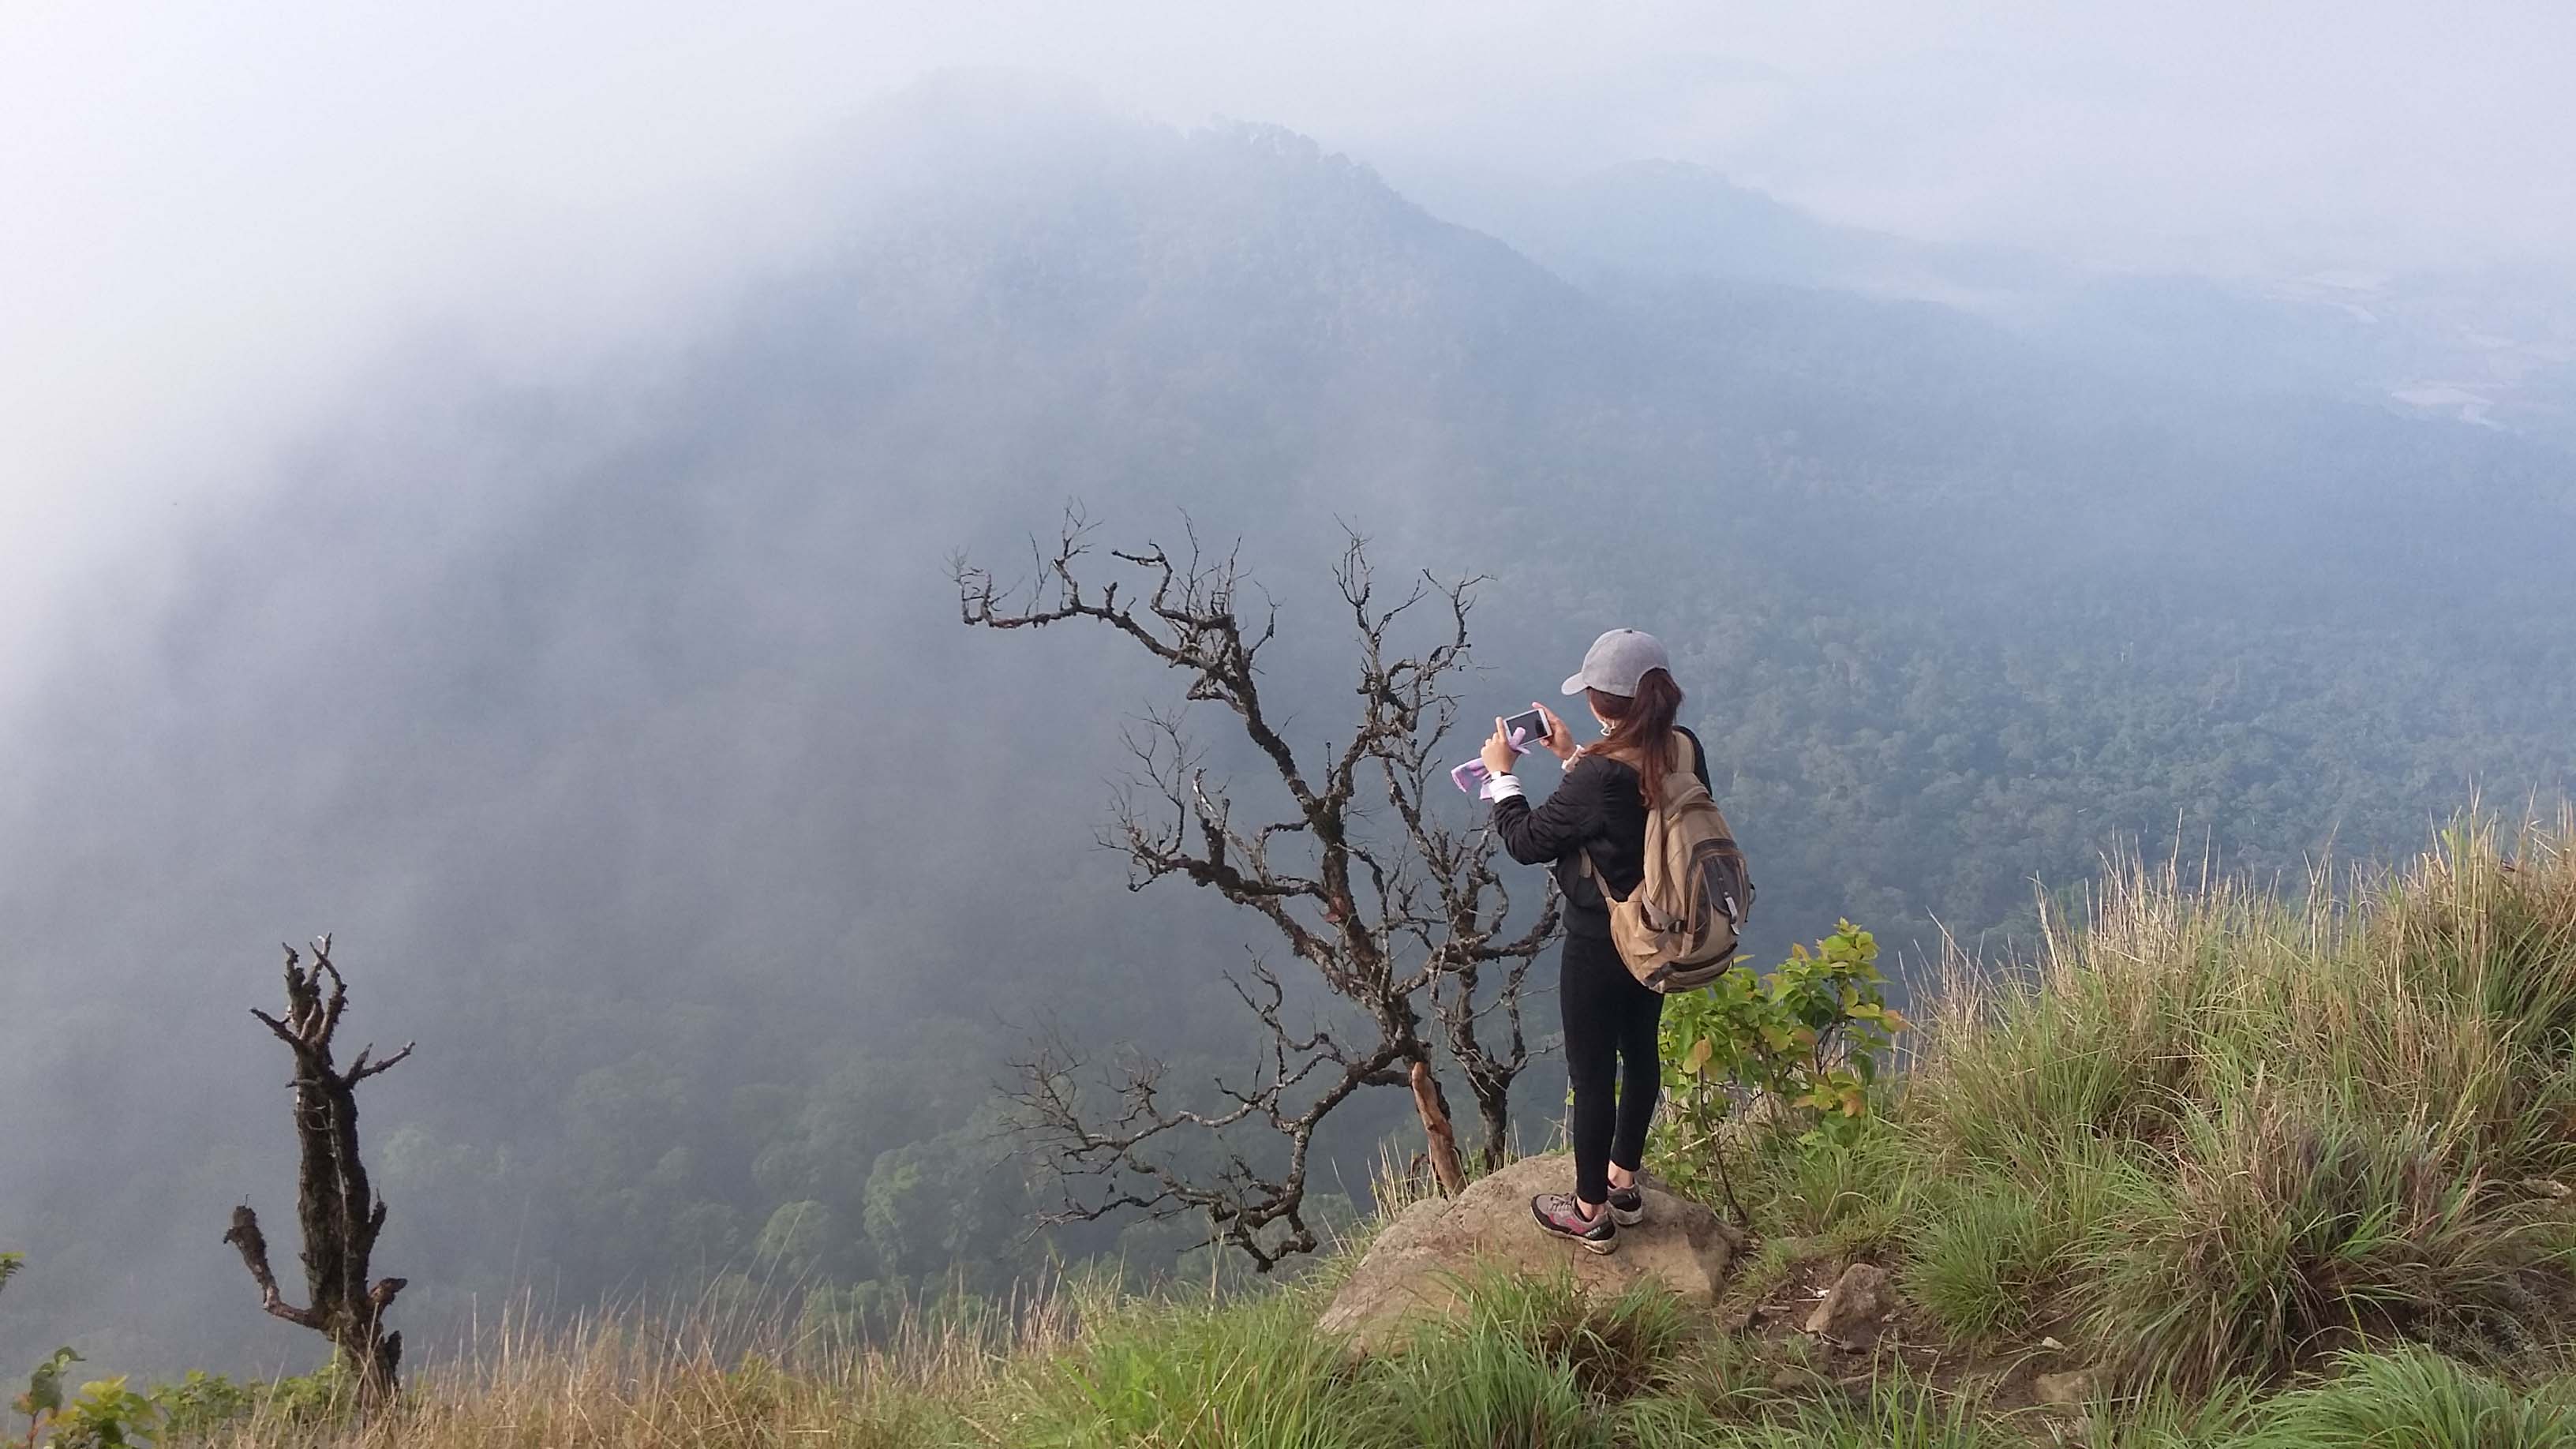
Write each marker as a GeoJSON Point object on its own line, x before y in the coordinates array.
{"type": "Point", "coordinates": [1502, 787]}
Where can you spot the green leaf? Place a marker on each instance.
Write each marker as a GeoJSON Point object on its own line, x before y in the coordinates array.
{"type": "Point", "coordinates": [44, 1393]}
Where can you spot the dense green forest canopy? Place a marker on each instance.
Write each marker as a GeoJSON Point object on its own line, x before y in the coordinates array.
{"type": "Point", "coordinates": [623, 729]}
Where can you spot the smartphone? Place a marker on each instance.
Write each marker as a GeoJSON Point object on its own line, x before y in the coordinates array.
{"type": "Point", "coordinates": [1523, 730]}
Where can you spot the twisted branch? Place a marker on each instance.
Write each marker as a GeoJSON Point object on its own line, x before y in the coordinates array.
{"type": "Point", "coordinates": [1395, 919]}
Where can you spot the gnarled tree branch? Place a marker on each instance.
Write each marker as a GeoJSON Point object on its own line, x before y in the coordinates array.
{"type": "Point", "coordinates": [1399, 915]}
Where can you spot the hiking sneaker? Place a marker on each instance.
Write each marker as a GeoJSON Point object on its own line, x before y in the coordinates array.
{"type": "Point", "coordinates": [1627, 1205]}
{"type": "Point", "coordinates": [1558, 1214]}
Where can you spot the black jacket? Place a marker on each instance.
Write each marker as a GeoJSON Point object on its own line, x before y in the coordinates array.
{"type": "Point", "coordinates": [1595, 808]}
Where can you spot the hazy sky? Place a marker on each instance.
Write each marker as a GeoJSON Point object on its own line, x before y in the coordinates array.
{"type": "Point", "coordinates": [216, 213]}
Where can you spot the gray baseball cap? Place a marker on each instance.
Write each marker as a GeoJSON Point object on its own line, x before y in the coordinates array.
{"type": "Point", "coordinates": [1616, 661]}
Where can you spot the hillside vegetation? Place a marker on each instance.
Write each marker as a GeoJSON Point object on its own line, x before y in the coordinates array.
{"type": "Point", "coordinates": [2246, 1168]}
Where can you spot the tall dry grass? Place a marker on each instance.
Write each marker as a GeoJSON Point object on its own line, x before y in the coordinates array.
{"type": "Point", "coordinates": [700, 1375]}
{"type": "Point", "coordinates": [2222, 1131]}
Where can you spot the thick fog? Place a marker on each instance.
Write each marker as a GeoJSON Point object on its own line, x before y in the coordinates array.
{"type": "Point", "coordinates": [483, 481]}
{"type": "Point", "coordinates": [221, 212]}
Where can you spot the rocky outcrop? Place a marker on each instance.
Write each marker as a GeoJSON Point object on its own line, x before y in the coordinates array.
{"type": "Point", "coordinates": [1415, 1265]}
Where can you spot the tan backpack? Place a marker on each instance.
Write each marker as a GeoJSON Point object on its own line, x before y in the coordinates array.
{"type": "Point", "coordinates": [1677, 930]}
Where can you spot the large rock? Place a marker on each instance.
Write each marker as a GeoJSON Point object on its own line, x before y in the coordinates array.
{"type": "Point", "coordinates": [1415, 1265]}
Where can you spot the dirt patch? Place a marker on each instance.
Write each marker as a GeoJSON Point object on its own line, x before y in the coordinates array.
{"type": "Point", "coordinates": [2002, 1378]}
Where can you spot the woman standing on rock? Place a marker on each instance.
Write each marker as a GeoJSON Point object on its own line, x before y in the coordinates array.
{"type": "Point", "coordinates": [1598, 812]}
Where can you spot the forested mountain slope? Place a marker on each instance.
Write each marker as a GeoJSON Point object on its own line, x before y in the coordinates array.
{"type": "Point", "coordinates": [624, 730]}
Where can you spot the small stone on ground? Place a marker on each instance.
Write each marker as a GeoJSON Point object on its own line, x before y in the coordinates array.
{"type": "Point", "coordinates": [2072, 1389]}
{"type": "Point", "coordinates": [1853, 1308]}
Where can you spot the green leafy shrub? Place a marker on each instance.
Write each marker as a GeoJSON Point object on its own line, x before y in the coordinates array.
{"type": "Point", "coordinates": [43, 1398]}
{"type": "Point", "coordinates": [107, 1415]}
{"type": "Point", "coordinates": [1807, 1038]}
{"type": "Point", "coordinates": [202, 1404]}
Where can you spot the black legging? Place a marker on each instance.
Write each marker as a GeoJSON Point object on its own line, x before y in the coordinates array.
{"type": "Point", "coordinates": [1610, 1027]}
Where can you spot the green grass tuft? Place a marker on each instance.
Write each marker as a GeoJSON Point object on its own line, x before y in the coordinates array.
{"type": "Point", "coordinates": [1978, 1262]}
{"type": "Point", "coordinates": [2415, 1399]}
{"type": "Point", "coordinates": [2283, 1224]}
{"type": "Point", "coordinates": [1615, 1347]}
{"type": "Point", "coordinates": [1241, 1375]}
{"type": "Point", "coordinates": [1895, 1413]}
{"type": "Point", "coordinates": [1482, 1386]}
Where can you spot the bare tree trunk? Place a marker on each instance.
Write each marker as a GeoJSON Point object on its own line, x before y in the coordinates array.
{"type": "Point", "coordinates": [336, 1208]}
{"type": "Point", "coordinates": [1494, 1114]}
{"type": "Point", "coordinates": [1435, 1125]}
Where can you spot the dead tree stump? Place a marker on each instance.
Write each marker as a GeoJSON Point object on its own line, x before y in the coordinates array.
{"type": "Point", "coordinates": [338, 1211]}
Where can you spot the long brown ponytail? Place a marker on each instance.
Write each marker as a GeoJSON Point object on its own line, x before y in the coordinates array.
{"type": "Point", "coordinates": [1641, 730]}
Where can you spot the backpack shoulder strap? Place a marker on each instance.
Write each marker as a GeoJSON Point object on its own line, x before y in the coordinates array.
{"type": "Point", "coordinates": [1694, 758]}
{"type": "Point", "coordinates": [1690, 761]}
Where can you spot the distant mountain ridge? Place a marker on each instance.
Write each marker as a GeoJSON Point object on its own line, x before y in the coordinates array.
{"type": "Point", "coordinates": [2495, 350]}
{"type": "Point", "coordinates": [1674, 219]}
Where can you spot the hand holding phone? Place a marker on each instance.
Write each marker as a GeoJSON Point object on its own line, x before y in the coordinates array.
{"type": "Point", "coordinates": [1526, 730]}
{"type": "Point", "coordinates": [1522, 733]}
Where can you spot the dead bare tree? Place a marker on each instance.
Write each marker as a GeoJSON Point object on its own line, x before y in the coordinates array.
{"type": "Point", "coordinates": [1400, 915]}
{"type": "Point", "coordinates": [338, 1211]}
